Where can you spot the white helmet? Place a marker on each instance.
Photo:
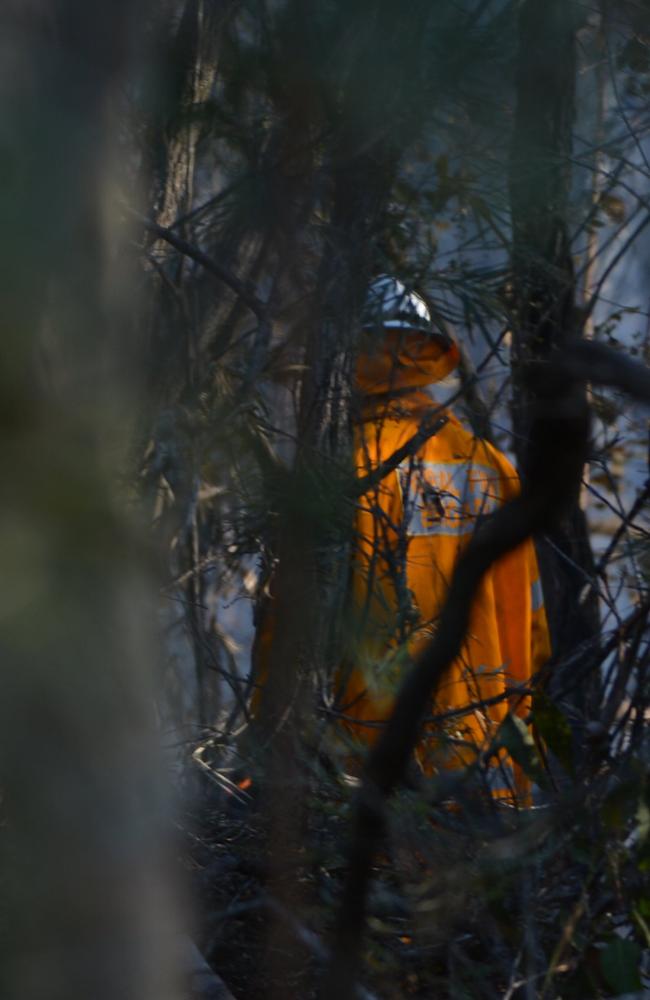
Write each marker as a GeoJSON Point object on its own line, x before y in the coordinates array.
{"type": "Point", "coordinates": [390, 304]}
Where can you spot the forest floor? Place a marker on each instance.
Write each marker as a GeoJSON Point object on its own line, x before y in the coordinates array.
{"type": "Point", "coordinates": [446, 916]}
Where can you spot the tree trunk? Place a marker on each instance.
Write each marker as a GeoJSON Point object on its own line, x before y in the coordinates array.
{"type": "Point", "coordinates": [85, 893]}
{"type": "Point", "coordinates": [544, 293]}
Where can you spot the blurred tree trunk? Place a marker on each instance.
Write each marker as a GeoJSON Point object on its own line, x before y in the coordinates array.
{"type": "Point", "coordinates": [544, 299]}
{"type": "Point", "coordinates": [313, 549]}
{"type": "Point", "coordinates": [355, 170]}
{"type": "Point", "coordinates": [358, 169]}
{"type": "Point", "coordinates": [313, 542]}
{"type": "Point", "coordinates": [85, 891]}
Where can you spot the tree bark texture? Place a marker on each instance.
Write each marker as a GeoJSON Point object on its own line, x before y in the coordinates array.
{"type": "Point", "coordinates": [193, 67]}
{"type": "Point", "coordinates": [545, 315]}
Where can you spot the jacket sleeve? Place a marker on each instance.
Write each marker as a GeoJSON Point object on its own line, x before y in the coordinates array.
{"type": "Point", "coordinates": [523, 629]}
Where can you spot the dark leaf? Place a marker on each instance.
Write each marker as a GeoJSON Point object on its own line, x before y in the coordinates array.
{"type": "Point", "coordinates": [620, 964]}
{"type": "Point", "coordinates": [551, 724]}
{"type": "Point", "coordinates": [517, 739]}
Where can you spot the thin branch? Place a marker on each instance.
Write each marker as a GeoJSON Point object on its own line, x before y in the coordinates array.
{"type": "Point", "coordinates": [626, 522]}
{"type": "Point", "coordinates": [600, 365]}
{"type": "Point", "coordinates": [515, 690]}
{"type": "Point", "coordinates": [428, 428]}
{"type": "Point", "coordinates": [616, 259]}
{"type": "Point", "coordinates": [243, 289]}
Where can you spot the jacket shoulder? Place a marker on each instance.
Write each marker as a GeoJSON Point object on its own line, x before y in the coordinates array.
{"type": "Point", "coordinates": [456, 443]}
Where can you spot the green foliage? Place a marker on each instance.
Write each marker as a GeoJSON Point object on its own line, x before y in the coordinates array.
{"type": "Point", "coordinates": [620, 959]}
{"type": "Point", "coordinates": [552, 726]}
{"type": "Point", "coordinates": [515, 736]}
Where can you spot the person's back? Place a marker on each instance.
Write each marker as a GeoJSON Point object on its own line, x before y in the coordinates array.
{"type": "Point", "coordinates": [411, 526]}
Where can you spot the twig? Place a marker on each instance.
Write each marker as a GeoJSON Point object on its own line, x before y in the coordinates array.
{"type": "Point", "coordinates": [626, 523]}
{"type": "Point", "coordinates": [567, 934]}
{"type": "Point", "coordinates": [616, 259]}
{"type": "Point", "coordinates": [429, 427]}
{"type": "Point", "coordinates": [246, 293]}
{"type": "Point", "coordinates": [515, 690]}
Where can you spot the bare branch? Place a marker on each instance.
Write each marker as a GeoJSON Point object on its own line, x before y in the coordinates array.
{"type": "Point", "coordinates": [614, 262]}
{"type": "Point", "coordinates": [599, 364]}
{"type": "Point", "coordinates": [428, 428]}
{"type": "Point", "coordinates": [243, 289]}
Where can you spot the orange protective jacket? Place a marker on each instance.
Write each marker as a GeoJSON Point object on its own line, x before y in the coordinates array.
{"type": "Point", "coordinates": [410, 529]}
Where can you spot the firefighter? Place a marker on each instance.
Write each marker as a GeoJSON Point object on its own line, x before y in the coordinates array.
{"type": "Point", "coordinates": [411, 526]}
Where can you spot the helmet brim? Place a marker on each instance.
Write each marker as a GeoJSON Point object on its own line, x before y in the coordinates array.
{"type": "Point", "coordinates": [400, 324]}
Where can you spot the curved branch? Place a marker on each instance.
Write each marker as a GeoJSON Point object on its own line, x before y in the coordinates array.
{"type": "Point", "coordinates": [559, 441]}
